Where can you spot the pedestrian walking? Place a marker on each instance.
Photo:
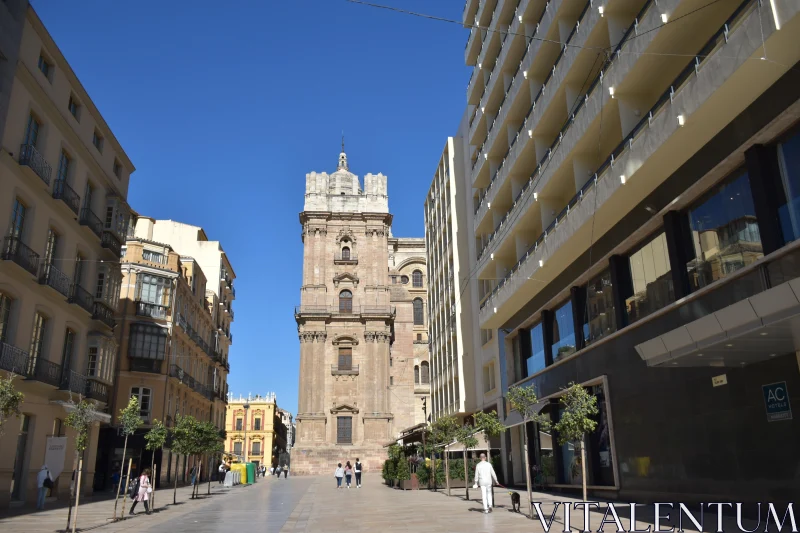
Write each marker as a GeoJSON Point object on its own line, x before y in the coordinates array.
{"type": "Point", "coordinates": [114, 481]}
{"type": "Point", "coordinates": [285, 471]}
{"type": "Point", "coordinates": [348, 472]}
{"type": "Point", "coordinates": [221, 471]}
{"type": "Point", "coordinates": [278, 471]}
{"type": "Point", "coordinates": [192, 474]}
{"type": "Point", "coordinates": [263, 471]}
{"type": "Point", "coordinates": [44, 481]}
{"type": "Point", "coordinates": [485, 478]}
{"type": "Point", "coordinates": [272, 471]}
{"type": "Point", "coordinates": [143, 494]}
{"type": "Point", "coordinates": [358, 472]}
{"type": "Point", "coordinates": [339, 474]}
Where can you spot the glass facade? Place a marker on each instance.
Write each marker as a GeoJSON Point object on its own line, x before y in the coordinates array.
{"type": "Point", "coordinates": [789, 163]}
{"type": "Point", "coordinates": [652, 279]}
{"type": "Point", "coordinates": [535, 360]}
{"type": "Point", "coordinates": [724, 231]}
{"type": "Point", "coordinates": [599, 320]}
{"type": "Point", "coordinates": [563, 332]}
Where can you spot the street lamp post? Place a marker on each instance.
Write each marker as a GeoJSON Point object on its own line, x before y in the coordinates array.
{"type": "Point", "coordinates": [425, 420]}
{"type": "Point", "coordinates": [246, 407]}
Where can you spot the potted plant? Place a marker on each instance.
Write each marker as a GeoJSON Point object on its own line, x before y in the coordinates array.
{"type": "Point", "coordinates": [403, 473]}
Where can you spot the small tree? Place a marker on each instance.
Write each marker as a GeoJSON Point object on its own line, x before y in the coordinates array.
{"type": "Point", "coordinates": [10, 400]}
{"type": "Point", "coordinates": [210, 444]}
{"type": "Point", "coordinates": [129, 420]}
{"type": "Point", "coordinates": [155, 440]}
{"type": "Point", "coordinates": [403, 472]}
{"type": "Point", "coordinates": [443, 433]}
{"type": "Point", "coordinates": [391, 470]}
{"type": "Point", "coordinates": [184, 442]}
{"type": "Point", "coordinates": [80, 419]}
{"type": "Point", "coordinates": [466, 436]}
{"type": "Point", "coordinates": [576, 421]}
{"type": "Point", "coordinates": [523, 400]}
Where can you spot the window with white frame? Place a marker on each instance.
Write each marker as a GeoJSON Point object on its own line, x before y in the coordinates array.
{"type": "Point", "coordinates": [154, 257]}
{"type": "Point", "coordinates": [153, 289]}
{"type": "Point", "coordinates": [94, 362]}
{"type": "Point", "coordinates": [145, 396]}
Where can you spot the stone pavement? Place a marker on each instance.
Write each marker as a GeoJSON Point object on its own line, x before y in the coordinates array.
{"type": "Point", "coordinates": [313, 504]}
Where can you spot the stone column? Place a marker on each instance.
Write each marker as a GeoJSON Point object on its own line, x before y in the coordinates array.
{"type": "Point", "coordinates": [320, 371]}
{"type": "Point", "coordinates": [305, 394]}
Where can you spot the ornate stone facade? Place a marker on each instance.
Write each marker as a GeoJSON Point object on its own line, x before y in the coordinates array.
{"type": "Point", "coordinates": [348, 319]}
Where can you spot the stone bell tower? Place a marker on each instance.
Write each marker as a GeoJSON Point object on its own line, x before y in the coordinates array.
{"type": "Point", "coordinates": [345, 323]}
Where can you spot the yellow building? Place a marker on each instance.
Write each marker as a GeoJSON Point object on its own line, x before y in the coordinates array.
{"type": "Point", "coordinates": [255, 430]}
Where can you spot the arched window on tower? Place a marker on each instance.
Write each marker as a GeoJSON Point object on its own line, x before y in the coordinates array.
{"type": "Point", "coordinates": [416, 278]}
{"type": "Point", "coordinates": [346, 302]}
{"type": "Point", "coordinates": [416, 373]}
{"type": "Point", "coordinates": [426, 373]}
{"type": "Point", "coordinates": [346, 253]}
{"type": "Point", "coordinates": [419, 317]}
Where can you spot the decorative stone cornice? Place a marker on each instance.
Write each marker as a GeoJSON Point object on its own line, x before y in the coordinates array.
{"type": "Point", "coordinates": [345, 276]}
{"type": "Point", "coordinates": [344, 408]}
{"type": "Point", "coordinates": [346, 232]}
{"type": "Point", "coordinates": [377, 336]}
{"type": "Point", "coordinates": [312, 336]}
{"type": "Point", "coordinates": [345, 340]}
{"type": "Point", "coordinates": [376, 231]}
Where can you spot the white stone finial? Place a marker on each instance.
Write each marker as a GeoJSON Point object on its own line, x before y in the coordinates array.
{"type": "Point", "coordinates": [342, 157]}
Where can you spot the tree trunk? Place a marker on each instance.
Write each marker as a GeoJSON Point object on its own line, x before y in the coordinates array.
{"type": "Point", "coordinates": [77, 495]}
{"type": "Point", "coordinates": [446, 472]}
{"type": "Point", "coordinates": [154, 474]}
{"type": "Point", "coordinates": [527, 469]}
{"type": "Point", "coordinates": [175, 487]}
{"type": "Point", "coordinates": [210, 471]}
{"type": "Point", "coordinates": [583, 465]}
{"type": "Point", "coordinates": [433, 469]}
{"type": "Point", "coordinates": [75, 462]}
{"type": "Point", "coordinates": [466, 474]}
{"type": "Point", "coordinates": [121, 465]}
{"type": "Point", "coordinates": [127, 483]}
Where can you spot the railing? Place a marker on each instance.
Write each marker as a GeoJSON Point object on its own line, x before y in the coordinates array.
{"type": "Point", "coordinates": [73, 382]}
{"type": "Point", "coordinates": [536, 99]}
{"type": "Point", "coordinates": [96, 390]}
{"type": "Point", "coordinates": [13, 359]}
{"type": "Point", "coordinates": [346, 258]}
{"type": "Point", "coordinates": [62, 191]}
{"type": "Point", "coordinates": [55, 279]}
{"type": "Point", "coordinates": [45, 371]}
{"type": "Point", "coordinates": [177, 372]}
{"type": "Point", "coordinates": [104, 314]}
{"type": "Point", "coordinates": [344, 310]}
{"type": "Point", "coordinates": [17, 251]}
{"type": "Point", "coordinates": [151, 310]}
{"type": "Point", "coordinates": [82, 297]}
{"type": "Point", "coordinates": [88, 218]}
{"type": "Point", "coordinates": [716, 41]}
{"type": "Point", "coordinates": [345, 370]}
{"type": "Point", "coordinates": [29, 156]}
{"type": "Point", "coordinates": [109, 240]}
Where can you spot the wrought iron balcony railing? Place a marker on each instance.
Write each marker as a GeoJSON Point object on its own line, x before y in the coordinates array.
{"type": "Point", "coordinates": [62, 191]}
{"type": "Point", "coordinates": [104, 314]}
{"type": "Point", "coordinates": [29, 156]}
{"type": "Point", "coordinates": [13, 359]}
{"type": "Point", "coordinates": [17, 251]}
{"type": "Point", "coordinates": [152, 310]}
{"type": "Point", "coordinates": [54, 278]}
{"type": "Point", "coordinates": [82, 297]}
{"type": "Point", "coordinates": [152, 366]}
{"type": "Point", "coordinates": [40, 369]}
{"type": "Point", "coordinates": [88, 218]}
{"type": "Point", "coordinates": [96, 390]}
{"type": "Point", "coordinates": [344, 309]}
{"type": "Point", "coordinates": [109, 240]}
{"type": "Point", "coordinates": [73, 382]}
{"type": "Point", "coordinates": [347, 258]}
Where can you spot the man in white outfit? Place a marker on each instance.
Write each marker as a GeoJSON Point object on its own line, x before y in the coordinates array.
{"type": "Point", "coordinates": [485, 478]}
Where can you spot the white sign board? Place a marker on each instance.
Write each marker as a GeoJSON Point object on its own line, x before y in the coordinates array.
{"type": "Point", "coordinates": [718, 381]}
{"type": "Point", "coordinates": [54, 455]}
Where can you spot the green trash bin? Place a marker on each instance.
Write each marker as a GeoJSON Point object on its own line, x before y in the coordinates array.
{"type": "Point", "coordinates": [251, 472]}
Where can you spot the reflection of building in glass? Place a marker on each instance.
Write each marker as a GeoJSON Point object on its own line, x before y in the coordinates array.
{"type": "Point", "coordinates": [600, 298]}
{"type": "Point", "coordinates": [652, 279]}
{"type": "Point", "coordinates": [723, 250]}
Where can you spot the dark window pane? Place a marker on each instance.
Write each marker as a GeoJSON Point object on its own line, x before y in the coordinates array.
{"type": "Point", "coordinates": [600, 309]}
{"type": "Point", "coordinates": [724, 231]}
{"type": "Point", "coordinates": [563, 332]}
{"type": "Point", "coordinates": [789, 161]}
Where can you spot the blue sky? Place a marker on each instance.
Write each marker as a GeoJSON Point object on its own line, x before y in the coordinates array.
{"type": "Point", "coordinates": [225, 106]}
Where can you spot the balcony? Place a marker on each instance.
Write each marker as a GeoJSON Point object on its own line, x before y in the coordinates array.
{"type": "Point", "coordinates": [62, 191]}
{"type": "Point", "coordinates": [109, 240]}
{"type": "Point", "coordinates": [30, 157]}
{"type": "Point", "coordinates": [345, 258]}
{"type": "Point", "coordinates": [96, 390]}
{"type": "Point", "coordinates": [343, 310]}
{"type": "Point", "coordinates": [13, 359]}
{"type": "Point", "coordinates": [92, 221]}
{"type": "Point", "coordinates": [82, 297]}
{"type": "Point", "coordinates": [104, 314]}
{"type": "Point", "coordinates": [72, 381]}
{"type": "Point", "coordinates": [55, 279]}
{"type": "Point", "coordinates": [19, 362]}
{"type": "Point", "coordinates": [344, 370]}
{"type": "Point", "coordinates": [18, 252]}
{"type": "Point", "coordinates": [152, 310]}
{"type": "Point", "coordinates": [696, 85]}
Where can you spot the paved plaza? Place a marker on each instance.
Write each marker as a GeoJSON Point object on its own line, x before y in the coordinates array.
{"type": "Point", "coordinates": [313, 504]}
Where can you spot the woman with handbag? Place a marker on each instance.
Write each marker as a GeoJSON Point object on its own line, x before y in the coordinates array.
{"type": "Point", "coordinates": [44, 482]}
{"type": "Point", "coordinates": [145, 488]}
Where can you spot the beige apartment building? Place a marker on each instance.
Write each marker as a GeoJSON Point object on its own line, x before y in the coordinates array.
{"type": "Point", "coordinates": [631, 179]}
{"type": "Point", "coordinates": [63, 218]}
{"type": "Point", "coordinates": [255, 430]}
{"type": "Point", "coordinates": [168, 356]}
{"type": "Point", "coordinates": [364, 365]}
